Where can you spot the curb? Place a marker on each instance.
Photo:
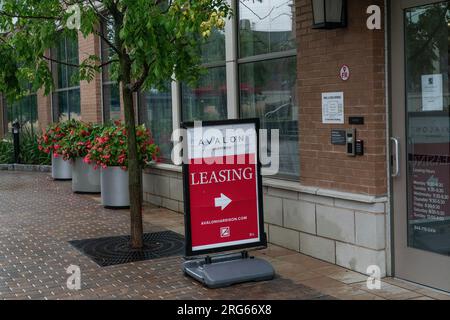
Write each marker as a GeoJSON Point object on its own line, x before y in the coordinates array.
{"type": "Point", "coordinates": [25, 168]}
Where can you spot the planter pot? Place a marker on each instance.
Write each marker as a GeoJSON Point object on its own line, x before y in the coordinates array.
{"type": "Point", "coordinates": [114, 185]}
{"type": "Point", "coordinates": [61, 169]}
{"type": "Point", "coordinates": [85, 179]}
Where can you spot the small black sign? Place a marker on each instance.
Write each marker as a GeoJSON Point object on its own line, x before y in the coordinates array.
{"type": "Point", "coordinates": [356, 121]}
{"type": "Point", "coordinates": [339, 137]}
{"type": "Point", "coordinates": [359, 148]}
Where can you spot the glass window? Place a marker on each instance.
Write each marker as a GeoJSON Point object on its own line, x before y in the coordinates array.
{"type": "Point", "coordinates": [111, 102]}
{"type": "Point", "coordinates": [214, 48]}
{"type": "Point", "coordinates": [208, 100]}
{"type": "Point", "coordinates": [268, 83]}
{"type": "Point", "coordinates": [156, 112]}
{"type": "Point", "coordinates": [24, 111]}
{"type": "Point", "coordinates": [66, 97]}
{"type": "Point", "coordinates": [111, 90]}
{"type": "Point", "coordinates": [267, 91]}
{"type": "Point", "coordinates": [266, 26]}
{"type": "Point", "coordinates": [427, 56]}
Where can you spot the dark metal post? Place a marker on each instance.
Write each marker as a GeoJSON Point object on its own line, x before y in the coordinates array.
{"type": "Point", "coordinates": [16, 139]}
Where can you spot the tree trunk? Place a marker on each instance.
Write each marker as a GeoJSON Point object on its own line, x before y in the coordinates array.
{"type": "Point", "coordinates": [134, 167]}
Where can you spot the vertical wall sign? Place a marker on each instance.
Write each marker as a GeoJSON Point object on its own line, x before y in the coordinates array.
{"type": "Point", "coordinates": [429, 187]}
{"type": "Point", "coordinates": [223, 187]}
{"type": "Point", "coordinates": [344, 73]}
{"type": "Point", "coordinates": [333, 108]}
{"type": "Point", "coordinates": [432, 92]}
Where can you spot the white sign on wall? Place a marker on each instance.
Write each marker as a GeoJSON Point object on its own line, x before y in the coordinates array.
{"type": "Point", "coordinates": [344, 73]}
{"type": "Point", "coordinates": [333, 108]}
{"type": "Point", "coordinates": [432, 92]}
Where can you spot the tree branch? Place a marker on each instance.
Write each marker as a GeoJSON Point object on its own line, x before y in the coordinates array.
{"type": "Point", "coordinates": [138, 84]}
{"type": "Point", "coordinates": [78, 65]}
{"type": "Point", "coordinates": [38, 17]}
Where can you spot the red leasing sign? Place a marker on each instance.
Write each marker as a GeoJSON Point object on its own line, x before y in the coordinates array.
{"type": "Point", "coordinates": [222, 187]}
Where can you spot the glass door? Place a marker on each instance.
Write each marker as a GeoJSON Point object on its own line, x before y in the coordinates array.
{"type": "Point", "coordinates": [420, 72]}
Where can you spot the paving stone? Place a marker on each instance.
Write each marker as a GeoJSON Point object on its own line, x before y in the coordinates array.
{"type": "Point", "coordinates": [38, 217]}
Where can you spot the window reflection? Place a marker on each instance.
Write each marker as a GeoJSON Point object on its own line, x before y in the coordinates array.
{"type": "Point", "coordinates": [268, 93]}
{"type": "Point", "coordinates": [156, 113]}
{"type": "Point", "coordinates": [66, 97]}
{"type": "Point", "coordinates": [111, 90]}
{"type": "Point", "coordinates": [111, 102]}
{"type": "Point", "coordinates": [24, 111]}
{"type": "Point", "coordinates": [214, 48]}
{"type": "Point", "coordinates": [208, 100]}
{"type": "Point", "coordinates": [266, 26]}
{"type": "Point", "coordinates": [427, 48]}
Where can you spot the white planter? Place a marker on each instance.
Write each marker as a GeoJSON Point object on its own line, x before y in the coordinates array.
{"type": "Point", "coordinates": [114, 185]}
{"type": "Point", "coordinates": [85, 179]}
{"type": "Point", "coordinates": [61, 169]}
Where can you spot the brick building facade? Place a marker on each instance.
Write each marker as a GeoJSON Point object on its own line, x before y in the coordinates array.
{"type": "Point", "coordinates": [325, 204]}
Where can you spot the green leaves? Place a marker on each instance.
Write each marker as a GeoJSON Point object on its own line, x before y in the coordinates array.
{"type": "Point", "coordinates": [6, 152]}
{"type": "Point", "coordinates": [29, 149]}
{"type": "Point", "coordinates": [163, 35]}
{"type": "Point", "coordinates": [167, 38]}
{"type": "Point", "coordinates": [34, 27]}
{"type": "Point", "coordinates": [110, 147]}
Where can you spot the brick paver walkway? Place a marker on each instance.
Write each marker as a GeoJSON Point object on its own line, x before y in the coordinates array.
{"type": "Point", "coordinates": [39, 216]}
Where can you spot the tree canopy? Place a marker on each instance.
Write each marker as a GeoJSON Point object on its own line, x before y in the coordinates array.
{"type": "Point", "coordinates": [151, 41]}
{"type": "Point", "coordinates": [159, 38]}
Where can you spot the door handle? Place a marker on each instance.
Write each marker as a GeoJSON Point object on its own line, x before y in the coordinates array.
{"type": "Point", "coordinates": [395, 163]}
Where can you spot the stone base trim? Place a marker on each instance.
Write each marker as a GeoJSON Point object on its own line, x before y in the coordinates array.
{"type": "Point", "coordinates": [341, 228]}
{"type": "Point", "coordinates": [164, 188]}
{"type": "Point", "coordinates": [25, 168]}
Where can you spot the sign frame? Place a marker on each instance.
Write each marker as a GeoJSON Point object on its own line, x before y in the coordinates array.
{"type": "Point", "coordinates": [262, 243]}
{"type": "Point", "coordinates": [338, 100]}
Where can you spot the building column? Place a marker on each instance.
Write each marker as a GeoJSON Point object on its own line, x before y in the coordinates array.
{"type": "Point", "coordinates": [44, 109]}
{"type": "Point", "coordinates": [90, 92]}
{"type": "Point", "coordinates": [232, 65]}
{"type": "Point", "coordinates": [321, 54]}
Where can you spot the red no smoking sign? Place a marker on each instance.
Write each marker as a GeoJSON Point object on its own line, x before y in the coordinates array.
{"type": "Point", "coordinates": [222, 187]}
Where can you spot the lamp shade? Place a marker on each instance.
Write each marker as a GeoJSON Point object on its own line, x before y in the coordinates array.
{"type": "Point", "coordinates": [329, 14]}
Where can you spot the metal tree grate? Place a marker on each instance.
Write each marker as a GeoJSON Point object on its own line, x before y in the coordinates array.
{"type": "Point", "coordinates": [113, 251]}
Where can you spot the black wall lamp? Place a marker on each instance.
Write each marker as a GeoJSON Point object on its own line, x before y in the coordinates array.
{"type": "Point", "coordinates": [329, 14]}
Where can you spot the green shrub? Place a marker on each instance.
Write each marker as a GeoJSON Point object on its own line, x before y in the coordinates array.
{"type": "Point", "coordinates": [29, 149]}
{"type": "Point", "coordinates": [6, 152]}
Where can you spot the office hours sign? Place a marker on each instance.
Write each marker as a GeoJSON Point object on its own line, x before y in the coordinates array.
{"type": "Point", "coordinates": [222, 187]}
{"type": "Point", "coordinates": [333, 108]}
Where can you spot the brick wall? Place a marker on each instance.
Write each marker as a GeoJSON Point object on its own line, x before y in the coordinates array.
{"type": "Point", "coordinates": [44, 109]}
{"type": "Point", "coordinates": [44, 105]}
{"type": "Point", "coordinates": [90, 92]}
{"type": "Point", "coordinates": [321, 53]}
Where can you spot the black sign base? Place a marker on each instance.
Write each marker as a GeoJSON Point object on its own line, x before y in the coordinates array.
{"type": "Point", "coordinates": [225, 271]}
